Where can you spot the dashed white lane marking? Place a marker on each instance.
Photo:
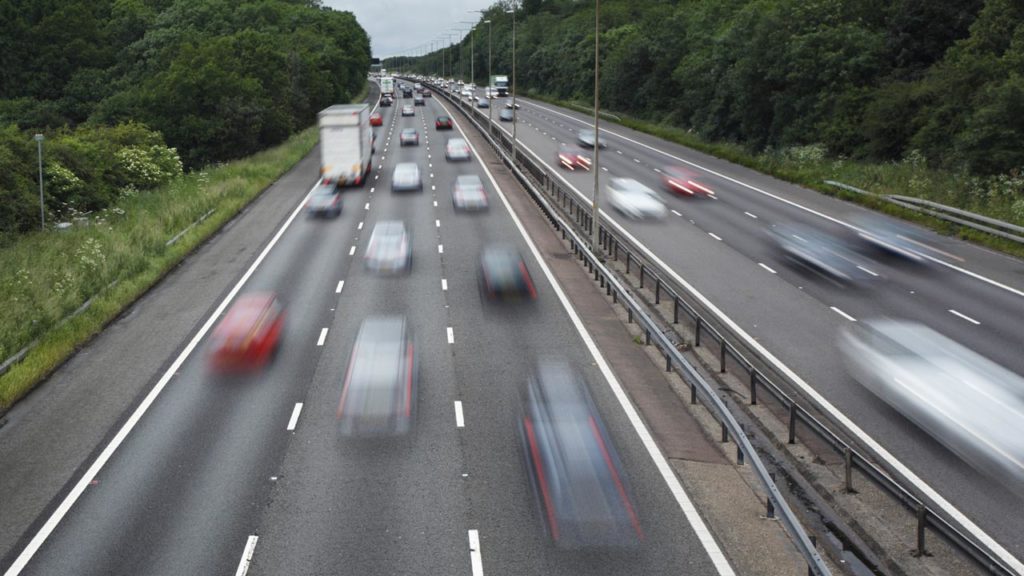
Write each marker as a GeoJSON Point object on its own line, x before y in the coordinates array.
{"type": "Point", "coordinates": [431, 174]}
{"type": "Point", "coordinates": [965, 317]}
{"type": "Point", "coordinates": [367, 207]}
{"type": "Point", "coordinates": [372, 189]}
{"type": "Point", "coordinates": [859, 267]}
{"type": "Point", "coordinates": [765, 266]}
{"type": "Point", "coordinates": [676, 213]}
{"type": "Point", "coordinates": [843, 314]}
{"type": "Point", "coordinates": [250, 547]}
{"type": "Point", "coordinates": [444, 284]}
{"type": "Point", "coordinates": [460, 422]}
{"type": "Point", "coordinates": [440, 248]}
{"type": "Point", "coordinates": [637, 160]}
{"type": "Point", "coordinates": [754, 216]}
{"type": "Point", "coordinates": [475, 560]}
{"type": "Point", "coordinates": [341, 284]}
{"type": "Point", "coordinates": [437, 223]}
{"type": "Point", "coordinates": [618, 151]}
{"type": "Point", "coordinates": [715, 236]}
{"type": "Point", "coordinates": [658, 170]}
{"type": "Point", "coordinates": [435, 203]}
{"type": "Point", "coordinates": [352, 251]}
{"type": "Point", "coordinates": [295, 416]}
{"type": "Point", "coordinates": [323, 336]}
{"type": "Point", "coordinates": [451, 335]}
{"type": "Point", "coordinates": [603, 168]}
{"type": "Point", "coordinates": [360, 227]}
{"type": "Point", "coordinates": [433, 188]}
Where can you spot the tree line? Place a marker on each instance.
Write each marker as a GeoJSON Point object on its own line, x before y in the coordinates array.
{"type": "Point", "coordinates": [123, 89]}
{"type": "Point", "coordinates": [876, 80]}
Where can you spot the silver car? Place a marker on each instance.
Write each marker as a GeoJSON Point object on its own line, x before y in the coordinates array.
{"type": "Point", "coordinates": [456, 150]}
{"type": "Point", "coordinates": [406, 177]}
{"type": "Point", "coordinates": [586, 138]}
{"type": "Point", "coordinates": [469, 193]}
{"type": "Point", "coordinates": [634, 199]}
{"type": "Point", "coordinates": [389, 249]}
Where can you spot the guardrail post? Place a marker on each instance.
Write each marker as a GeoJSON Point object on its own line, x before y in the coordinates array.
{"type": "Point", "coordinates": [642, 275]}
{"type": "Point", "coordinates": [693, 393]}
{"type": "Point", "coordinates": [647, 337]}
{"type": "Point", "coordinates": [615, 296]}
{"type": "Point", "coordinates": [615, 249]}
{"type": "Point", "coordinates": [675, 310]}
{"type": "Point", "coordinates": [629, 313]}
{"type": "Point", "coordinates": [628, 257]}
{"type": "Point", "coordinates": [770, 508]}
{"type": "Point", "coordinates": [668, 362]}
{"type": "Point", "coordinates": [725, 432]}
{"type": "Point", "coordinates": [792, 423]}
{"type": "Point", "coordinates": [848, 469]}
{"type": "Point", "coordinates": [721, 358]}
{"type": "Point", "coordinates": [739, 454]}
{"type": "Point", "coordinates": [814, 542]}
{"type": "Point", "coordinates": [922, 523]}
{"type": "Point", "coordinates": [657, 291]}
{"type": "Point", "coordinates": [696, 332]}
{"type": "Point", "coordinates": [753, 387]}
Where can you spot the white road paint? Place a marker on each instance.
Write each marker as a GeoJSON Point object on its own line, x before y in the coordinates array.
{"type": "Point", "coordinates": [437, 223]}
{"type": "Point", "coordinates": [676, 213]}
{"type": "Point", "coordinates": [94, 469]}
{"type": "Point", "coordinates": [444, 284]}
{"type": "Point", "coordinates": [352, 250]}
{"type": "Point", "coordinates": [715, 236]}
{"type": "Point", "coordinates": [435, 203]}
{"type": "Point", "coordinates": [440, 248]}
{"type": "Point", "coordinates": [754, 216]}
{"type": "Point", "coordinates": [766, 267]}
{"type": "Point", "coordinates": [367, 206]}
{"type": "Point", "coordinates": [323, 336]}
{"type": "Point", "coordinates": [637, 160]}
{"type": "Point", "coordinates": [843, 314]}
{"type": "Point", "coordinates": [701, 530]}
{"type": "Point", "coordinates": [451, 335]}
{"type": "Point", "coordinates": [475, 560]}
{"type": "Point", "coordinates": [360, 227]}
{"type": "Point", "coordinates": [872, 272]}
{"type": "Point", "coordinates": [603, 168]}
{"type": "Point", "coordinates": [250, 548]}
{"type": "Point", "coordinates": [372, 189]}
{"type": "Point", "coordinates": [965, 317]}
{"type": "Point", "coordinates": [295, 416]}
{"type": "Point", "coordinates": [460, 422]}
{"type": "Point", "coordinates": [341, 284]}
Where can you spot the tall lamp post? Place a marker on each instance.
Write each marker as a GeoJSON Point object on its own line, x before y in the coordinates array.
{"type": "Point", "coordinates": [472, 51]}
{"type": "Point", "coordinates": [42, 210]}
{"type": "Point", "coordinates": [490, 95]}
{"type": "Point", "coordinates": [515, 111]}
{"type": "Point", "coordinates": [595, 216]}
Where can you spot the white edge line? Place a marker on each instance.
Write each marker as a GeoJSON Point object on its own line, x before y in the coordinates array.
{"type": "Point", "coordinates": [707, 540]}
{"type": "Point", "coordinates": [974, 275]}
{"type": "Point", "coordinates": [250, 548]}
{"type": "Point", "coordinates": [90, 474]}
{"type": "Point", "coordinates": [965, 317]}
{"type": "Point", "coordinates": [877, 449]}
{"type": "Point", "coordinates": [475, 560]}
{"type": "Point", "coordinates": [766, 267]}
{"type": "Point", "coordinates": [715, 236]}
{"type": "Point", "coordinates": [460, 422]}
{"type": "Point", "coordinates": [843, 314]}
{"type": "Point", "coordinates": [295, 416]}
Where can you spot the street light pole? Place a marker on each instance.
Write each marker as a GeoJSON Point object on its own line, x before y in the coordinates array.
{"type": "Point", "coordinates": [42, 210]}
{"type": "Point", "coordinates": [595, 216]}
{"type": "Point", "coordinates": [490, 95]}
{"type": "Point", "coordinates": [515, 111]}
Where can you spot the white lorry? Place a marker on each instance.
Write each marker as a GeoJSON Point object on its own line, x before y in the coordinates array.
{"type": "Point", "coordinates": [346, 144]}
{"type": "Point", "coordinates": [387, 86]}
{"type": "Point", "coordinates": [498, 87]}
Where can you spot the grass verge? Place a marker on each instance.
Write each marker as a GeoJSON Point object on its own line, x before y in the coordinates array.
{"type": "Point", "coordinates": [1000, 197]}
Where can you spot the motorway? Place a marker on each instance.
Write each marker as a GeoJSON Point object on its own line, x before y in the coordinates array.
{"type": "Point", "coordinates": [720, 246]}
{"type": "Point", "coordinates": [220, 475]}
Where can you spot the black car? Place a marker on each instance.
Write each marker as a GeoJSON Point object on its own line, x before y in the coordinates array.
{"type": "Point", "coordinates": [386, 101]}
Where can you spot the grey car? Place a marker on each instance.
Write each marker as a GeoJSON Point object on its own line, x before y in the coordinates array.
{"type": "Point", "coordinates": [406, 177]}
{"type": "Point", "coordinates": [586, 138]}
{"type": "Point", "coordinates": [822, 253]}
{"type": "Point", "coordinates": [389, 249]}
{"type": "Point", "coordinates": [409, 137]}
{"type": "Point", "coordinates": [506, 115]}
{"type": "Point", "coordinates": [468, 193]}
{"type": "Point", "coordinates": [456, 150]}
{"type": "Point", "coordinates": [325, 200]}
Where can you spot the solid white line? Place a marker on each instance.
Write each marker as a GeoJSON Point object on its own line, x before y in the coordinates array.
{"type": "Point", "coordinates": [295, 416]}
{"type": "Point", "coordinates": [715, 236]}
{"type": "Point", "coordinates": [676, 213]}
{"type": "Point", "coordinates": [475, 561]}
{"type": "Point", "coordinates": [440, 248]}
{"type": "Point", "coordinates": [765, 266]}
{"type": "Point", "coordinates": [707, 540]}
{"type": "Point", "coordinates": [965, 317]}
{"type": "Point", "coordinates": [866, 270]}
{"type": "Point", "coordinates": [451, 335]}
{"type": "Point", "coordinates": [341, 284]}
{"type": "Point", "coordinates": [323, 336]}
{"type": "Point", "coordinates": [754, 216]}
{"type": "Point", "coordinates": [352, 251]}
{"type": "Point", "coordinates": [459, 420]}
{"type": "Point", "coordinates": [90, 474]}
{"type": "Point", "coordinates": [843, 314]}
{"type": "Point", "coordinates": [444, 284]}
{"type": "Point", "coordinates": [250, 547]}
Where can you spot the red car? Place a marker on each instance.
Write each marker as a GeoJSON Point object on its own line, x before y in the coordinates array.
{"type": "Point", "coordinates": [572, 158]}
{"type": "Point", "coordinates": [443, 123]}
{"type": "Point", "coordinates": [247, 336]}
{"type": "Point", "coordinates": [376, 119]}
{"type": "Point", "coordinates": [679, 180]}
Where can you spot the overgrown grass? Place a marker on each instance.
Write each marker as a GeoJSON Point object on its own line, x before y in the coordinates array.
{"type": "Point", "coordinates": [49, 275]}
{"type": "Point", "coordinates": [999, 197]}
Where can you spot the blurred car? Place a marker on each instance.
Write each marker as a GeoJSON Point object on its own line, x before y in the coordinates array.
{"type": "Point", "coordinates": [389, 249]}
{"type": "Point", "coordinates": [248, 335]}
{"type": "Point", "coordinates": [572, 158]}
{"type": "Point", "coordinates": [821, 252]}
{"type": "Point", "coordinates": [443, 122]}
{"type": "Point", "coordinates": [482, 103]}
{"type": "Point", "coordinates": [324, 200]}
{"type": "Point", "coordinates": [579, 488]}
{"type": "Point", "coordinates": [633, 199]}
{"type": "Point", "coordinates": [682, 181]}
{"type": "Point", "coordinates": [408, 110]}
{"type": "Point", "coordinates": [426, 93]}
{"type": "Point", "coordinates": [409, 137]}
{"type": "Point", "coordinates": [378, 395]}
{"type": "Point", "coordinates": [467, 93]}
{"type": "Point", "coordinates": [406, 177]}
{"type": "Point", "coordinates": [376, 119]}
{"type": "Point", "coordinates": [586, 138]}
{"type": "Point", "coordinates": [407, 91]}
{"type": "Point", "coordinates": [506, 115]}
{"type": "Point", "coordinates": [891, 236]}
{"type": "Point", "coordinates": [468, 193]}
{"type": "Point", "coordinates": [417, 100]}
{"type": "Point", "coordinates": [503, 274]}
{"type": "Point", "coordinates": [965, 401]}
{"type": "Point", "coordinates": [456, 150]}
{"type": "Point", "coordinates": [386, 101]}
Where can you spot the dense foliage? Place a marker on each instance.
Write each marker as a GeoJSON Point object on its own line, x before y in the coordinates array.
{"type": "Point", "coordinates": [870, 79]}
{"type": "Point", "coordinates": [120, 88]}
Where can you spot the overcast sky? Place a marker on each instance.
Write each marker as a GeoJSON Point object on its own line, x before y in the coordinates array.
{"type": "Point", "coordinates": [399, 26]}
